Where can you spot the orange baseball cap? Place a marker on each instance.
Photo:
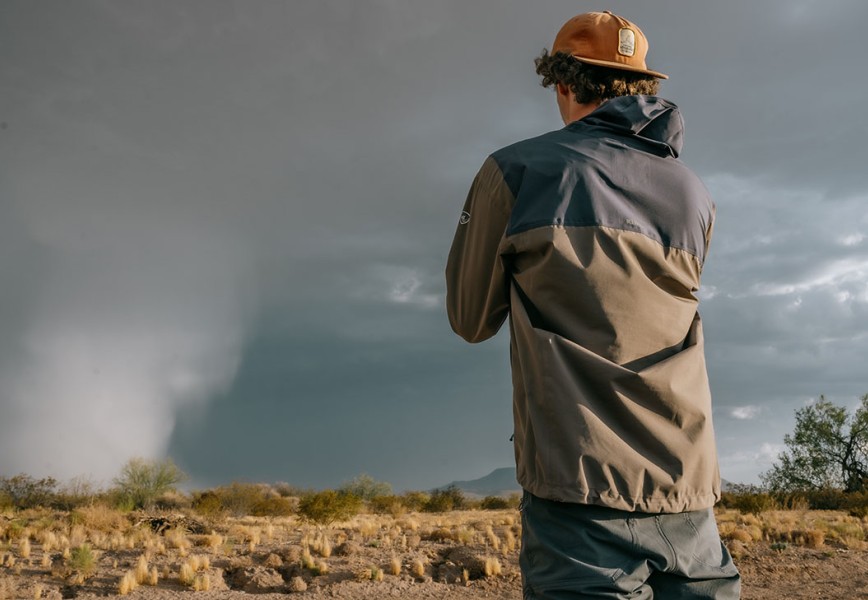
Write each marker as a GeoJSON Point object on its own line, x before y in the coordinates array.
{"type": "Point", "coordinates": [606, 40]}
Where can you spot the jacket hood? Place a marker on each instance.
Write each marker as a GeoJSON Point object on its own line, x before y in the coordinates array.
{"type": "Point", "coordinates": [649, 118]}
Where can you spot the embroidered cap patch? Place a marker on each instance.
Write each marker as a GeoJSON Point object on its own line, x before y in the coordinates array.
{"type": "Point", "coordinates": [626, 42]}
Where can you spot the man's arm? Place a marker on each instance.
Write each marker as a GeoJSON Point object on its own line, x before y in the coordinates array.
{"type": "Point", "coordinates": [477, 296]}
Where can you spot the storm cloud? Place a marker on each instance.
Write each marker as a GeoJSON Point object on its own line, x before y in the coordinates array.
{"type": "Point", "coordinates": [223, 226]}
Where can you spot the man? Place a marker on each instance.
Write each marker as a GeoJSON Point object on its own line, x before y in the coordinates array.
{"type": "Point", "coordinates": [592, 239]}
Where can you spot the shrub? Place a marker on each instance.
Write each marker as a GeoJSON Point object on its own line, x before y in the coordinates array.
{"type": "Point", "coordinates": [415, 500]}
{"type": "Point", "coordinates": [143, 481]}
{"type": "Point", "coordinates": [328, 506]}
{"type": "Point", "coordinates": [391, 505]}
{"type": "Point", "coordinates": [273, 506]}
{"type": "Point", "coordinates": [208, 504]}
{"type": "Point", "coordinates": [494, 503]}
{"type": "Point", "coordinates": [444, 500]}
{"type": "Point", "coordinates": [82, 560]}
{"type": "Point", "coordinates": [754, 504]}
{"type": "Point", "coordinates": [24, 491]}
{"type": "Point", "coordinates": [857, 505]}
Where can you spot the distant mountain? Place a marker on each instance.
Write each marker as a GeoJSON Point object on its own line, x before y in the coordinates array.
{"type": "Point", "coordinates": [500, 482]}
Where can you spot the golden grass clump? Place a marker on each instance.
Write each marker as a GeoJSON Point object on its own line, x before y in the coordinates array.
{"type": "Point", "coordinates": [24, 548]}
{"type": "Point", "coordinates": [741, 535]}
{"type": "Point", "coordinates": [141, 570]}
{"type": "Point", "coordinates": [492, 538]}
{"type": "Point", "coordinates": [509, 540]}
{"type": "Point", "coordinates": [417, 568]}
{"type": "Point", "coordinates": [187, 574]}
{"type": "Point", "coordinates": [127, 583]}
{"type": "Point", "coordinates": [814, 538]}
{"type": "Point", "coordinates": [492, 567]}
{"type": "Point", "coordinates": [48, 540]}
{"type": "Point", "coordinates": [100, 517]}
{"type": "Point", "coordinates": [464, 536]}
{"type": "Point", "coordinates": [201, 583]}
{"type": "Point", "coordinates": [395, 566]}
{"type": "Point", "coordinates": [77, 536]}
{"type": "Point", "coordinates": [178, 540]}
{"type": "Point", "coordinates": [213, 540]}
{"type": "Point", "coordinates": [322, 567]}
{"type": "Point", "coordinates": [306, 559]}
{"type": "Point", "coordinates": [37, 591]}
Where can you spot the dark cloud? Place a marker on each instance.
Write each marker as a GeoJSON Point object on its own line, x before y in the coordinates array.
{"type": "Point", "coordinates": [224, 225]}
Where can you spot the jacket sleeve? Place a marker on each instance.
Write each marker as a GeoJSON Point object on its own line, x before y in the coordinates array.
{"type": "Point", "coordinates": [477, 294]}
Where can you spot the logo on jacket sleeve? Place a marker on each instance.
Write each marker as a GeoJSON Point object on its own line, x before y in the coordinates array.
{"type": "Point", "coordinates": [464, 219]}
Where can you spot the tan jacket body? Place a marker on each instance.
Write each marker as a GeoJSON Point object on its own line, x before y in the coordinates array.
{"type": "Point", "coordinates": [592, 240]}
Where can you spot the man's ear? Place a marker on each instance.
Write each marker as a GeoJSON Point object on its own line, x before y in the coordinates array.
{"type": "Point", "coordinates": [562, 89]}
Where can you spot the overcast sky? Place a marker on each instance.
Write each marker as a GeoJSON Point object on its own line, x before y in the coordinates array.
{"type": "Point", "coordinates": [223, 226]}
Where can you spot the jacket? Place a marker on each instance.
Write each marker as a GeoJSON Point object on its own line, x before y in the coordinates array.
{"type": "Point", "coordinates": [592, 239]}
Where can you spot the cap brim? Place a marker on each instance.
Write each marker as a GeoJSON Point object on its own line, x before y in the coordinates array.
{"type": "Point", "coordinates": [619, 66]}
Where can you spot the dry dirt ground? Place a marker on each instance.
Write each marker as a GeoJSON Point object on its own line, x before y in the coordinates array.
{"type": "Point", "coordinates": [414, 557]}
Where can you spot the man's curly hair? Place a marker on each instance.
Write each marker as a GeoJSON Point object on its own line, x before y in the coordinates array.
{"type": "Point", "coordinates": [591, 83]}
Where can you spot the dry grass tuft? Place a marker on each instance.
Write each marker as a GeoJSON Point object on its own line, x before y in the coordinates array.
{"type": "Point", "coordinates": [395, 566]}
{"type": "Point", "coordinates": [492, 567]}
{"type": "Point", "coordinates": [201, 583]}
{"type": "Point", "coordinates": [141, 571]}
{"type": "Point", "coordinates": [128, 583]}
{"type": "Point", "coordinates": [418, 568]}
{"type": "Point", "coordinates": [187, 574]}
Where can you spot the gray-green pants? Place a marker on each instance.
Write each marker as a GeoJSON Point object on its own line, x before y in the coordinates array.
{"type": "Point", "coordinates": [571, 551]}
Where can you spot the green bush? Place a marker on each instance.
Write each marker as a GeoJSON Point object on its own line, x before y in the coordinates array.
{"type": "Point", "coordinates": [143, 481]}
{"type": "Point", "coordinates": [82, 560]}
{"type": "Point", "coordinates": [494, 503]}
{"type": "Point", "coordinates": [415, 501]}
{"type": "Point", "coordinates": [444, 500]}
{"type": "Point", "coordinates": [328, 506]}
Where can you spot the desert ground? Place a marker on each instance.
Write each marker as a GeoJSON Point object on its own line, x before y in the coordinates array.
{"type": "Point", "coordinates": [97, 552]}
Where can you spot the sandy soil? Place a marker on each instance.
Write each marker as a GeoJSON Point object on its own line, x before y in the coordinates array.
{"type": "Point", "coordinates": [453, 568]}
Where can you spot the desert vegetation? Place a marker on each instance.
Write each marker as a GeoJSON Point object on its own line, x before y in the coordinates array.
{"type": "Point", "coordinates": [364, 540]}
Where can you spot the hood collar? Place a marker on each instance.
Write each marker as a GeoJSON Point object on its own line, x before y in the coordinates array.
{"type": "Point", "coordinates": [650, 118]}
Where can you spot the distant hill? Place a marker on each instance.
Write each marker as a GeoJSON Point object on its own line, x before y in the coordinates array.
{"type": "Point", "coordinates": [500, 482]}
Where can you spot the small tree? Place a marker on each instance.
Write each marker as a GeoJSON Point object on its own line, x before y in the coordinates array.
{"type": "Point", "coordinates": [828, 449]}
{"type": "Point", "coordinates": [143, 481]}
